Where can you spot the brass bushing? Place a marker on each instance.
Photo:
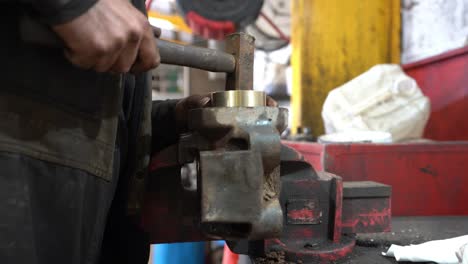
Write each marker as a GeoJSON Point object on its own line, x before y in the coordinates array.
{"type": "Point", "coordinates": [238, 98]}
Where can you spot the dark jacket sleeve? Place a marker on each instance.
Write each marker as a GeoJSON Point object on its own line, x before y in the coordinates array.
{"type": "Point", "coordinates": [59, 11]}
{"type": "Point", "coordinates": [163, 124]}
{"type": "Point", "coordinates": [55, 12]}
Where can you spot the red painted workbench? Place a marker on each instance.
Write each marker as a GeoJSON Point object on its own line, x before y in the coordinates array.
{"type": "Point", "coordinates": [426, 178]}
{"type": "Point", "coordinates": [444, 79]}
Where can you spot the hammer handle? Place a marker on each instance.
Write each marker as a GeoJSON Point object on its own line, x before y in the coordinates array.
{"type": "Point", "coordinates": [171, 53]}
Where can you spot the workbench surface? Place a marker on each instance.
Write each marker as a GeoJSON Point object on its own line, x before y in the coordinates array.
{"type": "Point", "coordinates": [405, 231]}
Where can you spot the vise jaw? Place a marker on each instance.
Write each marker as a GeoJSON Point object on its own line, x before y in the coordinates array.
{"type": "Point", "coordinates": [237, 151]}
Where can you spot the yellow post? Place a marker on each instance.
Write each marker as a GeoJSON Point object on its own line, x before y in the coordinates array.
{"type": "Point", "coordinates": [334, 41]}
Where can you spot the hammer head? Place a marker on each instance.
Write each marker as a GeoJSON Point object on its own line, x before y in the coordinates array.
{"type": "Point", "coordinates": [242, 46]}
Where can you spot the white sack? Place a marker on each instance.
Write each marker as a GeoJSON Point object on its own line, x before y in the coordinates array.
{"type": "Point", "coordinates": [382, 99]}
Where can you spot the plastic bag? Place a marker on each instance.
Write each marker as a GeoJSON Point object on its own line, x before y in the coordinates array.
{"type": "Point", "coordinates": [382, 99]}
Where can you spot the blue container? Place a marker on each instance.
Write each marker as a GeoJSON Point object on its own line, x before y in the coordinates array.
{"type": "Point", "coordinates": [179, 253]}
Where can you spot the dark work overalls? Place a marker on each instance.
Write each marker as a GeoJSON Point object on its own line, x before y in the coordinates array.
{"type": "Point", "coordinates": [74, 146]}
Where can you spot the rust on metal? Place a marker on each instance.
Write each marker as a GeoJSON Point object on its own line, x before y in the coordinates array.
{"type": "Point", "coordinates": [242, 46]}
{"type": "Point", "coordinates": [319, 209]}
{"type": "Point", "coordinates": [196, 57]}
{"type": "Point", "coordinates": [238, 170]}
{"type": "Point", "coordinates": [303, 211]}
{"type": "Point", "coordinates": [248, 183]}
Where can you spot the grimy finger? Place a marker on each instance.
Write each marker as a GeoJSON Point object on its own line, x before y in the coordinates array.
{"type": "Point", "coordinates": [270, 102]}
{"type": "Point", "coordinates": [127, 57]}
{"type": "Point", "coordinates": [196, 101]}
{"type": "Point", "coordinates": [156, 31]}
{"type": "Point", "coordinates": [148, 54]}
{"type": "Point", "coordinates": [84, 62]}
{"type": "Point", "coordinates": [105, 63]}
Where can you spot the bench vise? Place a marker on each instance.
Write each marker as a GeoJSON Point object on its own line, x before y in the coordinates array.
{"type": "Point", "coordinates": [259, 195]}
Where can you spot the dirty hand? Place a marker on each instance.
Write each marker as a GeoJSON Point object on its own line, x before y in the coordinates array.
{"type": "Point", "coordinates": [199, 101]}
{"type": "Point", "coordinates": [185, 105]}
{"type": "Point", "coordinates": [271, 102]}
{"type": "Point", "coordinates": [112, 36]}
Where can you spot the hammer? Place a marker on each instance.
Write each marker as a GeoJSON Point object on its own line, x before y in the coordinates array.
{"type": "Point", "coordinates": [237, 61]}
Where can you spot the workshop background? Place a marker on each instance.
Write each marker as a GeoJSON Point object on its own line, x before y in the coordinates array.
{"type": "Point", "coordinates": [307, 48]}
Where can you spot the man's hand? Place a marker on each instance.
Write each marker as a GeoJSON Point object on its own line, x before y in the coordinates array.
{"type": "Point", "coordinates": [199, 101]}
{"type": "Point", "coordinates": [185, 105]}
{"type": "Point", "coordinates": [112, 36]}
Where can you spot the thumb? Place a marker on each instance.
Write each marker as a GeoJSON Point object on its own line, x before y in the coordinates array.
{"type": "Point", "coordinates": [185, 105]}
{"type": "Point", "coordinates": [197, 101]}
